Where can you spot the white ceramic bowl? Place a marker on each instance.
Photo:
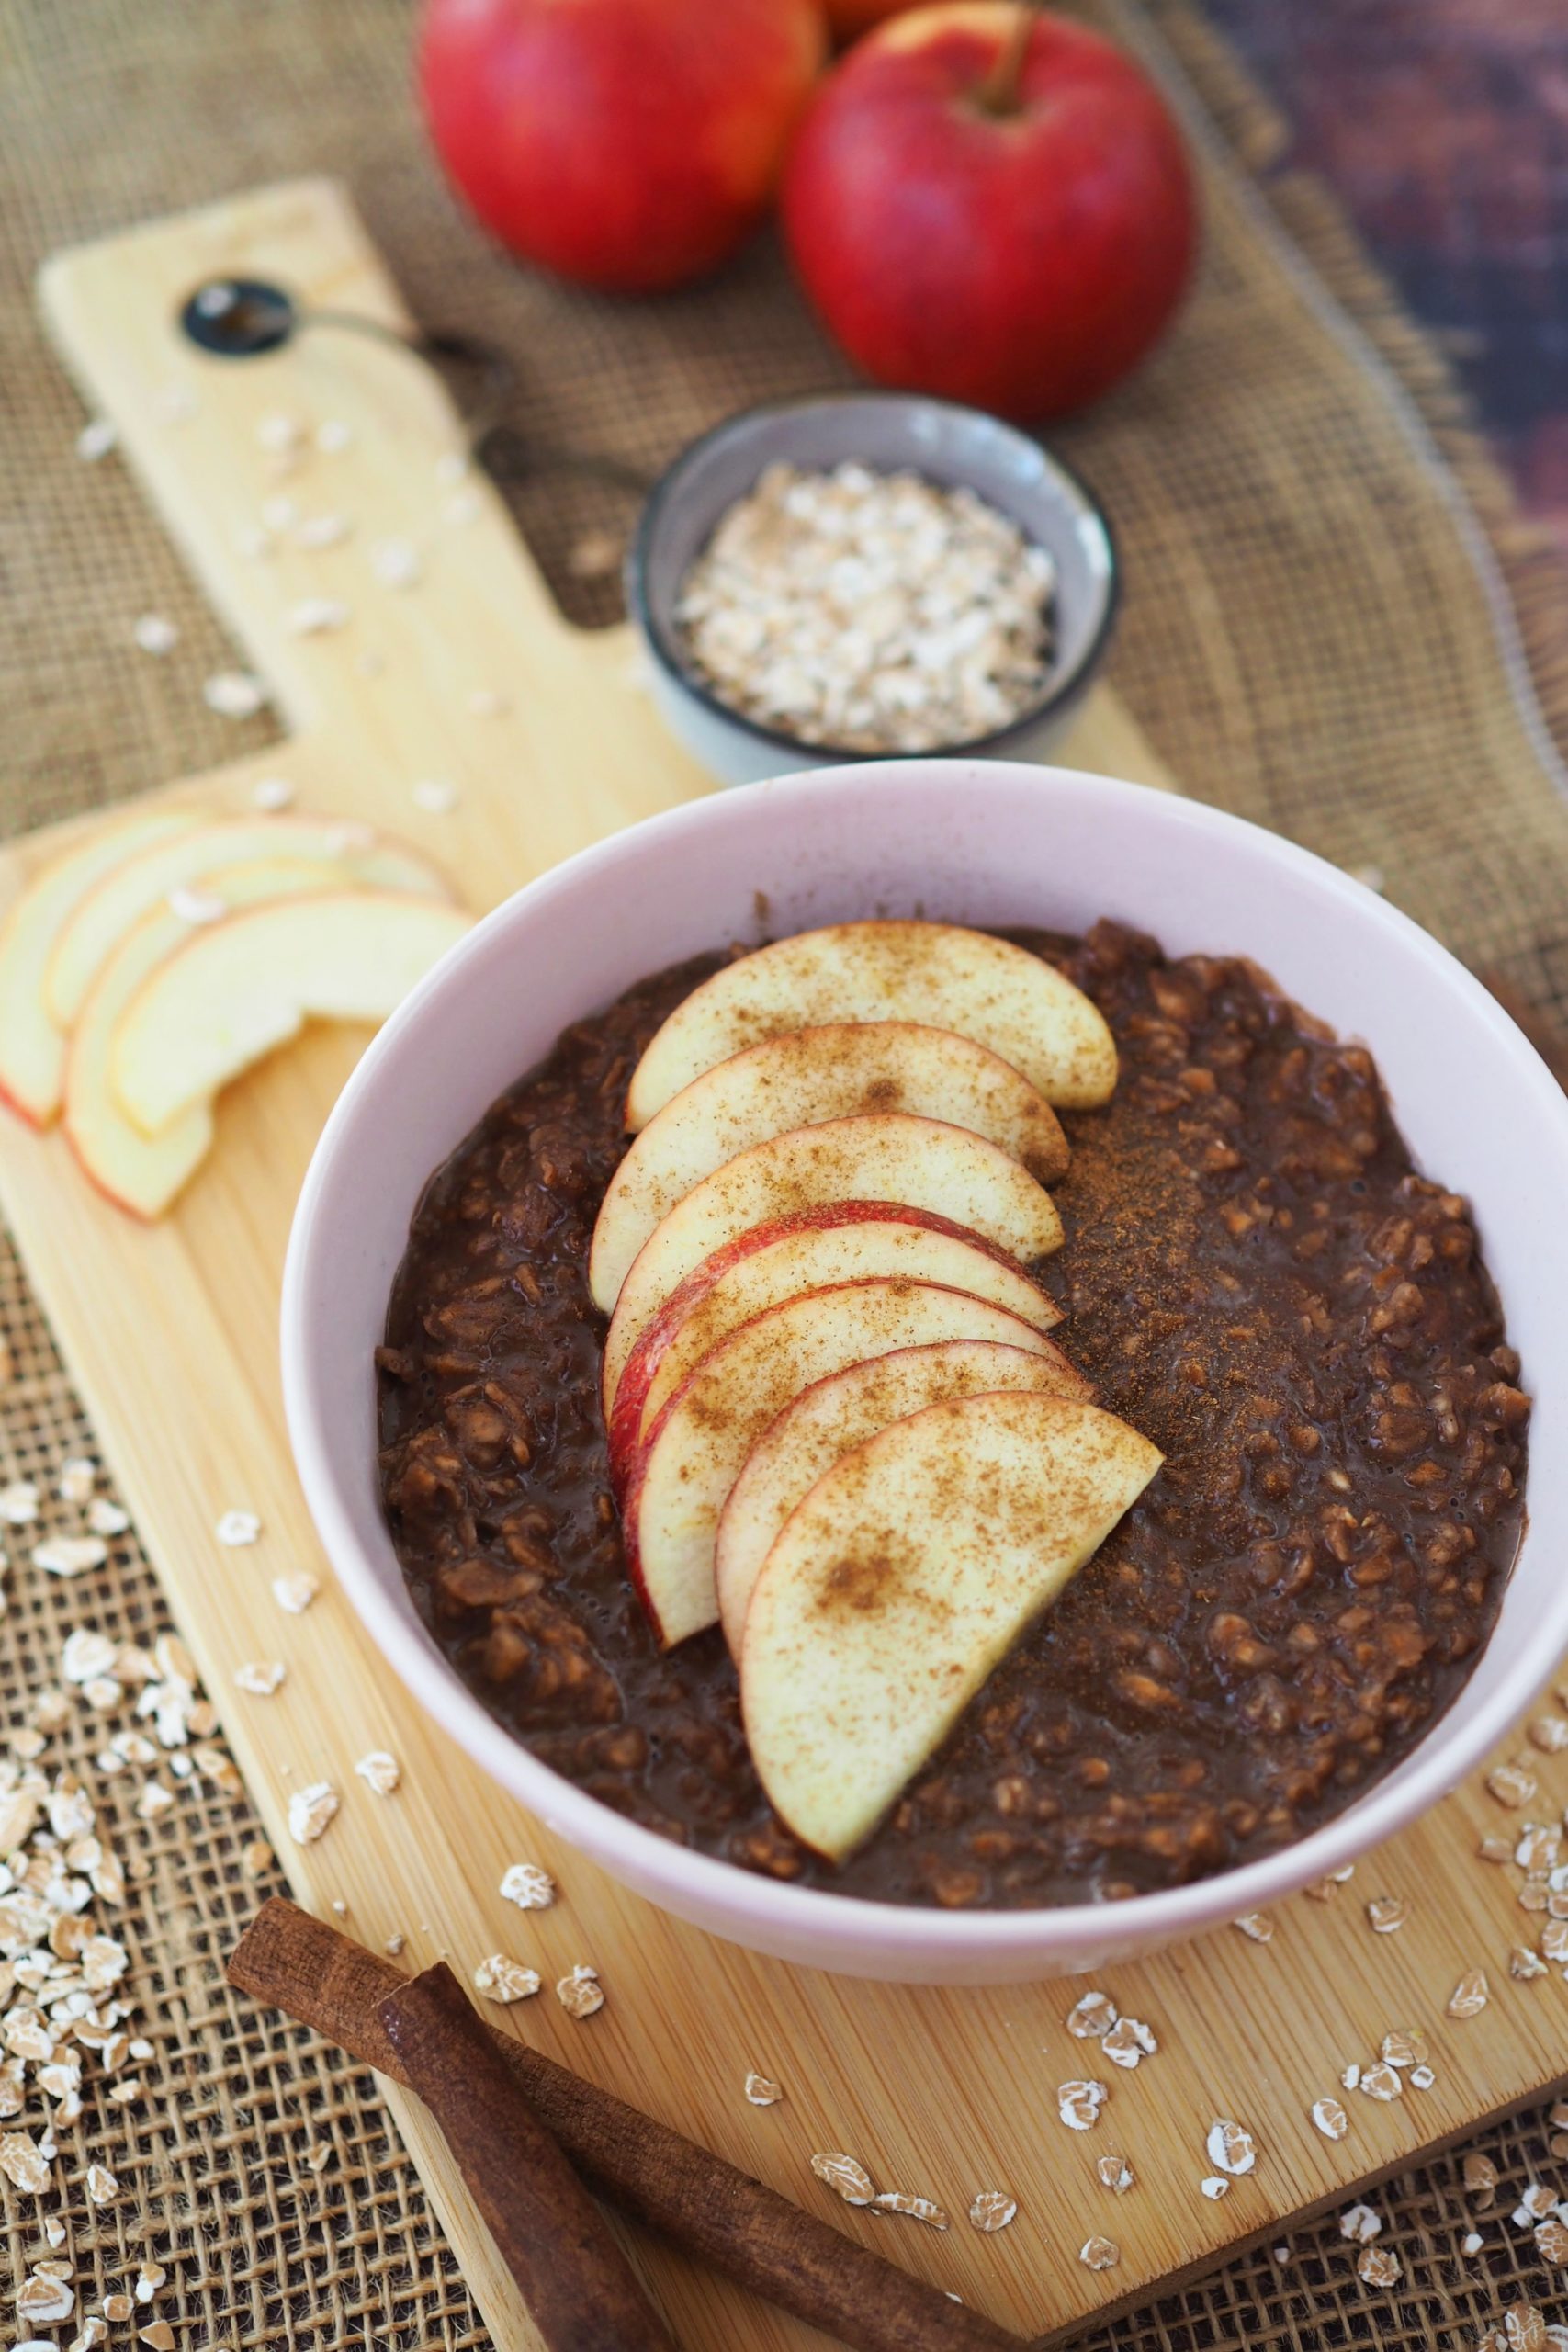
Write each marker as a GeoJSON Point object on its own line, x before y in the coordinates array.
{"type": "Point", "coordinates": [985, 844]}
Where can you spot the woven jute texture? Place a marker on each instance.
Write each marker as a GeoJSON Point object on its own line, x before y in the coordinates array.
{"type": "Point", "coordinates": [1330, 606]}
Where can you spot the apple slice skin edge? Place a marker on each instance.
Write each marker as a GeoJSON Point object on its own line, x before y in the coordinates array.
{"type": "Point", "coordinates": [626, 1404]}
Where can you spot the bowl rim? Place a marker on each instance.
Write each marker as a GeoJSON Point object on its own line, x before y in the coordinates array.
{"type": "Point", "coordinates": [1059, 691]}
{"type": "Point", "coordinates": [834, 1926]}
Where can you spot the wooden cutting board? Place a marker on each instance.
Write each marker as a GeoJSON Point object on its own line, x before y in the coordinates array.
{"type": "Point", "coordinates": [170, 1333]}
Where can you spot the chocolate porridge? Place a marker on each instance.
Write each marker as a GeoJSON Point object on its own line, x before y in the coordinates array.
{"type": "Point", "coordinates": [1253, 1276]}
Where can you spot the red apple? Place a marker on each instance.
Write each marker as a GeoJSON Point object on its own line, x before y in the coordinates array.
{"type": "Point", "coordinates": [848, 18]}
{"type": "Point", "coordinates": [1006, 221]}
{"type": "Point", "coordinates": [627, 143]}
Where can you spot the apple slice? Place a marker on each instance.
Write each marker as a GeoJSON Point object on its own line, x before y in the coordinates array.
{"type": "Point", "coordinates": [32, 1053]}
{"type": "Point", "coordinates": [352, 851]}
{"type": "Point", "coordinates": [831, 1418]}
{"type": "Point", "coordinates": [856, 1242]}
{"type": "Point", "coordinates": [238, 988]}
{"type": "Point", "coordinates": [796, 1081]}
{"type": "Point", "coordinates": [931, 972]}
{"type": "Point", "coordinates": [679, 1479]}
{"type": "Point", "coordinates": [889, 1159]}
{"type": "Point", "coordinates": [139, 1172]}
{"type": "Point", "coordinates": [903, 1579]}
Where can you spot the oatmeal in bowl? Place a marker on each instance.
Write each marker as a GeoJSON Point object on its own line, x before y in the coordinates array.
{"type": "Point", "coordinates": [944, 1448]}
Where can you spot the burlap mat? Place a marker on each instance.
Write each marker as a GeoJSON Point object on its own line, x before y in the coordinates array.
{"type": "Point", "coordinates": [1317, 634]}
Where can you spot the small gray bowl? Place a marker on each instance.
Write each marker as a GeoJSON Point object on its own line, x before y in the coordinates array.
{"type": "Point", "coordinates": [889, 432]}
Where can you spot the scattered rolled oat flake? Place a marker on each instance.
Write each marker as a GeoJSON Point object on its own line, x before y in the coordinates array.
{"type": "Point", "coordinates": [1099, 2253]}
{"type": "Point", "coordinates": [271, 792]}
{"type": "Point", "coordinates": [317, 615]}
{"type": "Point", "coordinates": [261, 1677]}
{"type": "Point", "coordinates": [593, 556]}
{"type": "Point", "coordinates": [1360, 2225]}
{"type": "Point", "coordinates": [1496, 1849]}
{"type": "Point", "coordinates": [1215, 2186]}
{"type": "Point", "coordinates": [395, 563]}
{"type": "Point", "coordinates": [23, 2162]}
{"type": "Point", "coordinates": [1423, 2077]}
{"type": "Point", "coordinates": [1537, 2203]}
{"type": "Point", "coordinates": [102, 2186]}
{"type": "Point", "coordinates": [1231, 2146]}
{"type": "Point", "coordinates": [394, 1945]}
{"type": "Point", "coordinates": [1525, 1964]}
{"type": "Point", "coordinates": [530, 1888]}
{"type": "Point", "coordinates": [1512, 1785]}
{"type": "Point", "coordinates": [194, 906]}
{"type": "Point", "coordinates": [159, 2337]}
{"type": "Point", "coordinates": [1552, 2241]}
{"type": "Point", "coordinates": [45, 2300]}
{"type": "Point", "coordinates": [762, 2091]}
{"type": "Point", "coordinates": [310, 1810]}
{"type": "Point", "coordinates": [1092, 2017]}
{"type": "Point", "coordinates": [1078, 2104]}
{"type": "Point", "coordinates": [1550, 1734]}
{"type": "Point", "coordinates": [233, 694]}
{"type": "Point", "coordinates": [1470, 1996]}
{"type": "Point", "coordinates": [1471, 2242]}
{"type": "Point", "coordinates": [1129, 2041]}
{"type": "Point", "coordinates": [1387, 1913]}
{"type": "Point", "coordinates": [1114, 2173]}
{"type": "Point", "coordinates": [322, 530]}
{"type": "Point", "coordinates": [379, 1771]}
{"type": "Point", "coordinates": [1257, 1925]}
{"type": "Point", "coordinates": [1323, 1889]}
{"type": "Point", "coordinates": [500, 1978]}
{"type": "Point", "coordinates": [992, 2210]}
{"type": "Point", "coordinates": [96, 440]}
{"type": "Point", "coordinates": [156, 1799]}
{"type": "Point", "coordinates": [1330, 2119]}
{"type": "Point", "coordinates": [580, 1992]}
{"type": "Point", "coordinates": [70, 1555]}
{"type": "Point", "coordinates": [1538, 1846]}
{"type": "Point", "coordinates": [18, 1502]}
{"type": "Point", "coordinates": [154, 633]}
{"type": "Point", "coordinates": [1382, 2081]}
{"type": "Point", "coordinates": [1378, 2266]}
{"type": "Point", "coordinates": [1479, 2174]}
{"type": "Point", "coordinates": [845, 2177]}
{"type": "Point", "coordinates": [118, 2307]}
{"type": "Point", "coordinates": [915, 2209]}
{"type": "Point", "coordinates": [435, 795]}
{"type": "Point", "coordinates": [106, 1518]}
{"type": "Point", "coordinates": [238, 1527]}
{"type": "Point", "coordinates": [294, 1594]}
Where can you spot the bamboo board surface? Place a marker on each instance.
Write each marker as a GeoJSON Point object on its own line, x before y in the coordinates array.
{"type": "Point", "coordinates": [170, 1333]}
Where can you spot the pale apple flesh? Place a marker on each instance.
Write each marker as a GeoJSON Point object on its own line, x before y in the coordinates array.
{"type": "Point", "coordinates": [710, 1305]}
{"type": "Point", "coordinates": [901, 1581]}
{"type": "Point", "coordinates": [797, 1081]}
{"type": "Point", "coordinates": [678, 1480]}
{"type": "Point", "coordinates": [352, 852]}
{"type": "Point", "coordinates": [32, 1051]}
{"type": "Point", "coordinates": [240, 987]}
{"type": "Point", "coordinates": [145, 1174]}
{"type": "Point", "coordinates": [892, 1157]}
{"type": "Point", "coordinates": [831, 1418]}
{"type": "Point", "coordinates": [936, 974]}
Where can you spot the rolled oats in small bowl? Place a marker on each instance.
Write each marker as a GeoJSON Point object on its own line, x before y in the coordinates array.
{"type": "Point", "coordinates": [869, 576]}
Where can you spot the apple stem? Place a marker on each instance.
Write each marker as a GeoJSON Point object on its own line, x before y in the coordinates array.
{"type": "Point", "coordinates": [1000, 92]}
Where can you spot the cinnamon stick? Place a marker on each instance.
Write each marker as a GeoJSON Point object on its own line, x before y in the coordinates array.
{"type": "Point", "coordinates": [707, 2207]}
{"type": "Point", "coordinates": [575, 2281]}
